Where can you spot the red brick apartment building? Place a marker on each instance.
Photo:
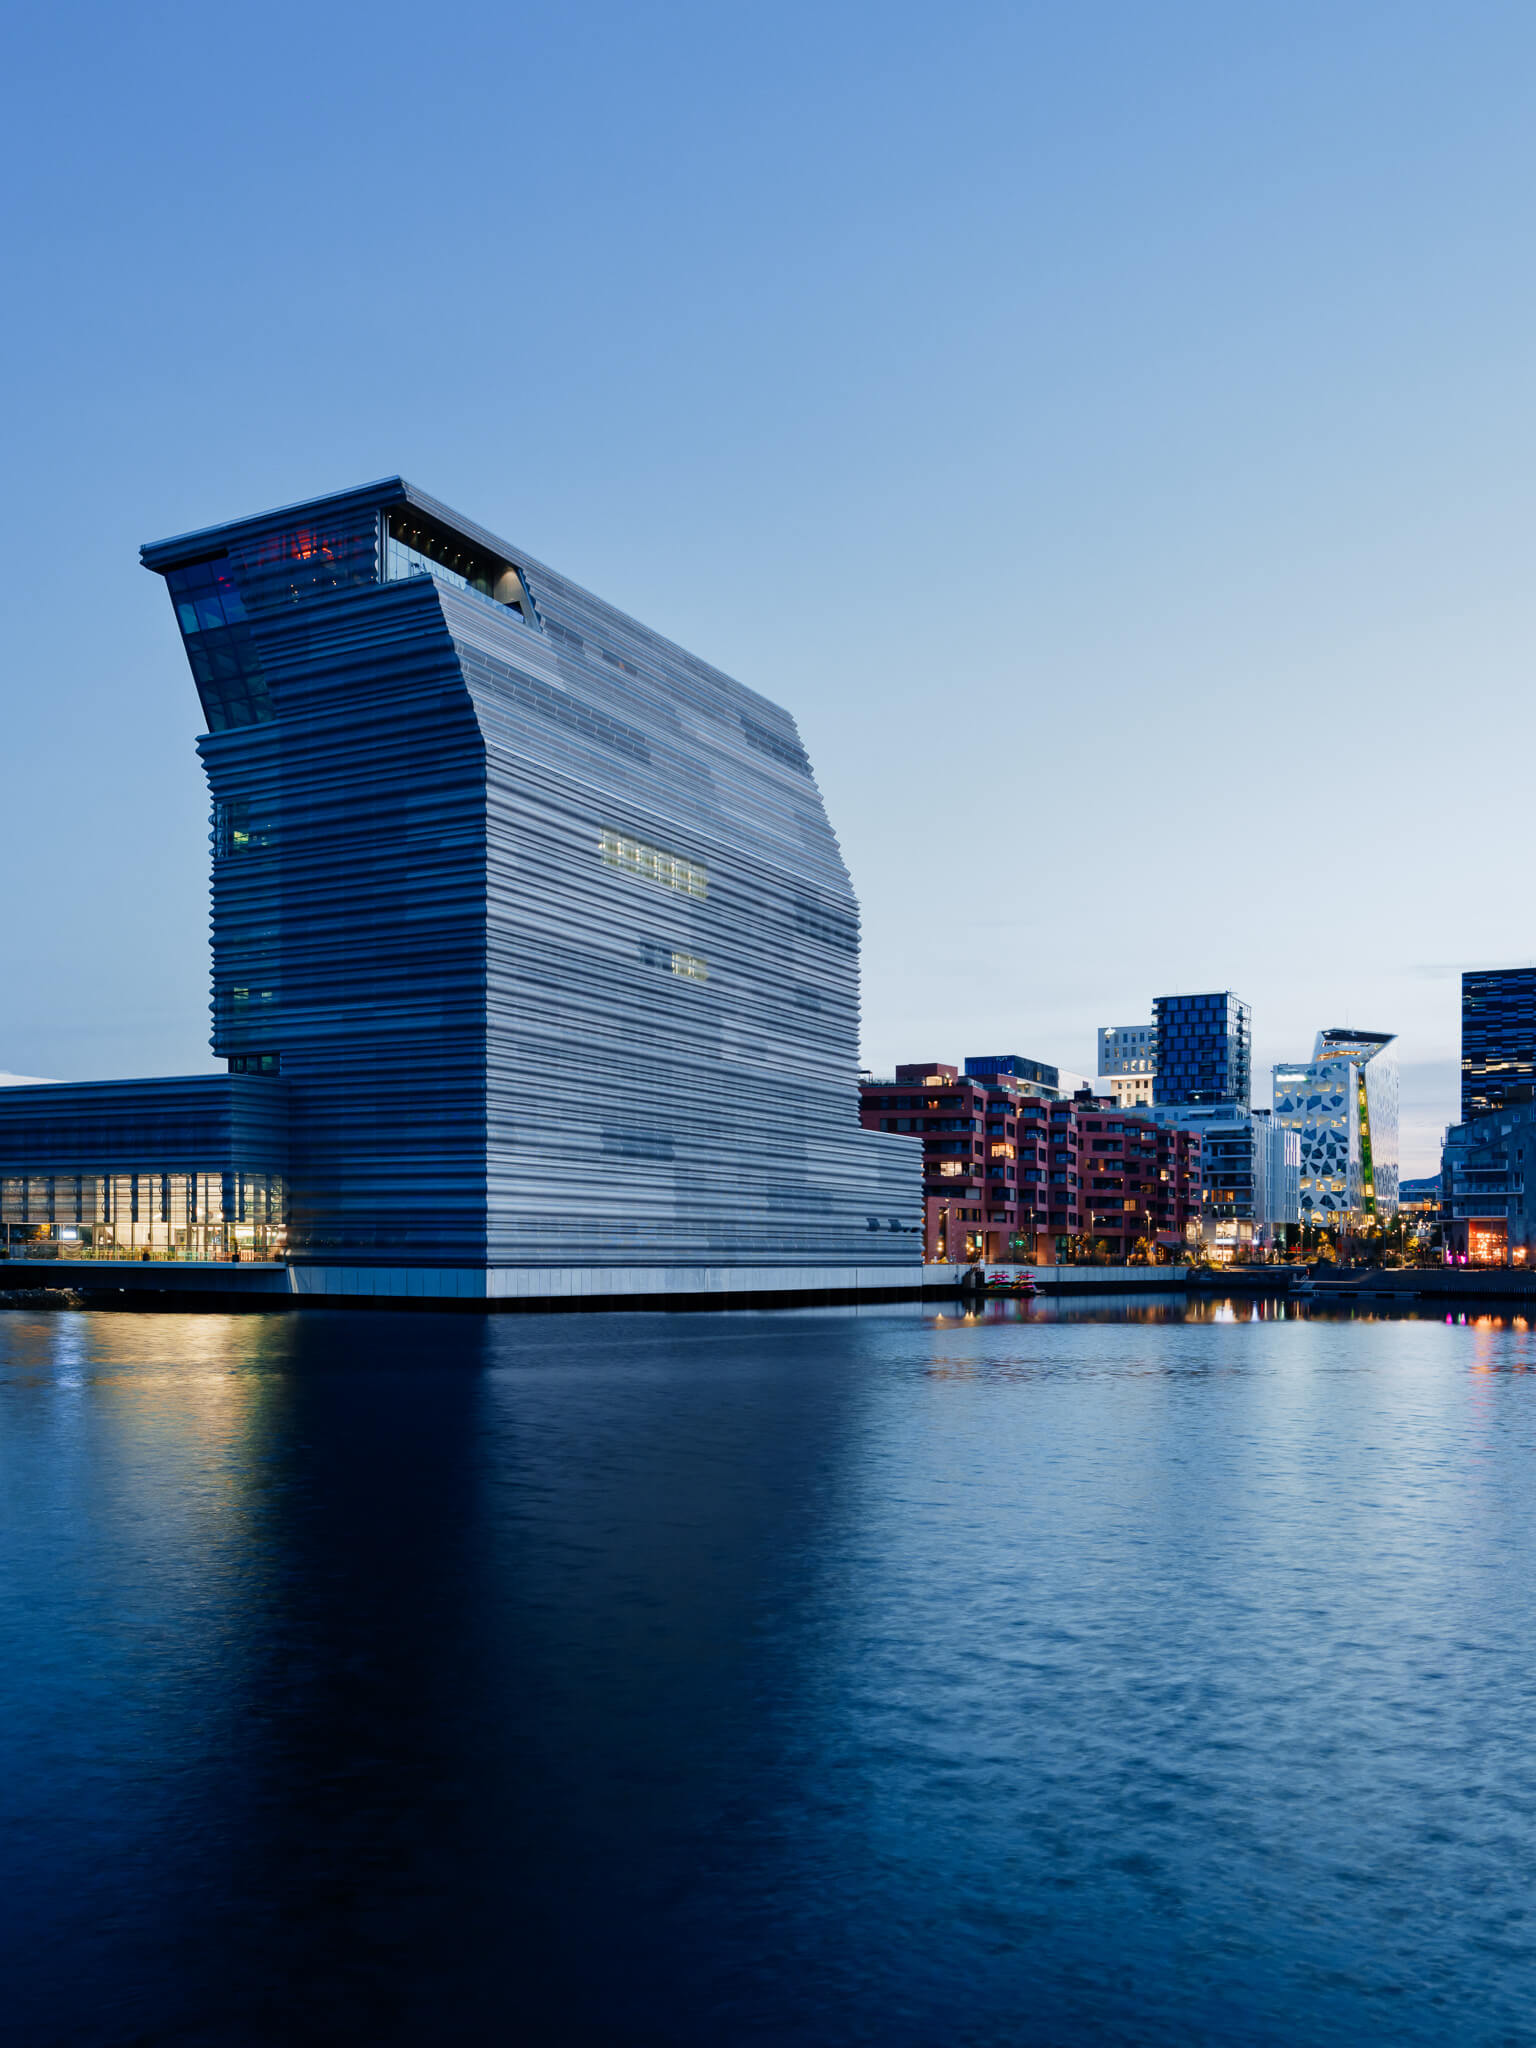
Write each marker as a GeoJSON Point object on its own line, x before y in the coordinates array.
{"type": "Point", "coordinates": [1010, 1175]}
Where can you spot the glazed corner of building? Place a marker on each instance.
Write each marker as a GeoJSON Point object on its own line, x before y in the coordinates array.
{"type": "Point", "coordinates": [535, 922]}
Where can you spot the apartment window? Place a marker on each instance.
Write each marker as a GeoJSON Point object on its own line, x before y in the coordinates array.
{"type": "Point", "coordinates": [651, 864]}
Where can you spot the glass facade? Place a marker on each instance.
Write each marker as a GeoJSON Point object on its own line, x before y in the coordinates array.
{"type": "Point", "coordinates": [1498, 1038]}
{"type": "Point", "coordinates": [167, 1213]}
{"type": "Point", "coordinates": [220, 650]}
{"type": "Point", "coordinates": [304, 558]}
{"type": "Point", "coordinates": [1204, 1049]}
{"type": "Point", "coordinates": [179, 1168]}
{"type": "Point", "coordinates": [988, 1066]}
{"type": "Point", "coordinates": [414, 546]}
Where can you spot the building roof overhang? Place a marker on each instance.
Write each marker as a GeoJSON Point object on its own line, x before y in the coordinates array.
{"type": "Point", "coordinates": [161, 555]}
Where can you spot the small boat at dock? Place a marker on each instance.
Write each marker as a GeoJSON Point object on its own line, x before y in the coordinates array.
{"type": "Point", "coordinates": [1020, 1286]}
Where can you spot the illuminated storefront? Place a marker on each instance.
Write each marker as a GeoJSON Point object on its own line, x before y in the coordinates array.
{"type": "Point", "coordinates": [189, 1168]}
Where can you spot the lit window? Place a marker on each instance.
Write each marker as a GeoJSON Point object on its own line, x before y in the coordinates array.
{"type": "Point", "coordinates": [415, 547]}
{"type": "Point", "coordinates": [234, 830]}
{"type": "Point", "coordinates": [690, 967]}
{"type": "Point", "coordinates": [668, 870]}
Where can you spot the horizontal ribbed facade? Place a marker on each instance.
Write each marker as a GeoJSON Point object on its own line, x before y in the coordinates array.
{"type": "Point", "coordinates": [540, 919]}
{"type": "Point", "coordinates": [172, 1162]}
{"type": "Point", "coordinates": [228, 1121]}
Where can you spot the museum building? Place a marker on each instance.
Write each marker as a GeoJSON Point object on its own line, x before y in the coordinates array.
{"type": "Point", "coordinates": [535, 959]}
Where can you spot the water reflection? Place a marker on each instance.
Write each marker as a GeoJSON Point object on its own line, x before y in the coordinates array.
{"type": "Point", "coordinates": [1056, 1672]}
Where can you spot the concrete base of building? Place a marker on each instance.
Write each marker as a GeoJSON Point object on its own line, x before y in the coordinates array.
{"type": "Point", "coordinates": [248, 1284]}
{"type": "Point", "coordinates": [160, 1283]}
{"type": "Point", "coordinates": [190, 1284]}
{"type": "Point", "coordinates": [556, 1287]}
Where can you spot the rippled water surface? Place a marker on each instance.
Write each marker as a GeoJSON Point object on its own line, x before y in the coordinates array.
{"type": "Point", "coordinates": [809, 1678]}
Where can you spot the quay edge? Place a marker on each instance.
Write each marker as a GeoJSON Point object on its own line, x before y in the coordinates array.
{"type": "Point", "coordinates": [163, 1284]}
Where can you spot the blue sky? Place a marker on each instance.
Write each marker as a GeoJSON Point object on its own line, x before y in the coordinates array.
{"type": "Point", "coordinates": [1106, 428]}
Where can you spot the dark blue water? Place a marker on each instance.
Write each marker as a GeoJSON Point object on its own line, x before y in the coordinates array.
{"type": "Point", "coordinates": [814, 1678]}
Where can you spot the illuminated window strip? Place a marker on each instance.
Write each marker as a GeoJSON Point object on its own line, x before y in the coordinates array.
{"type": "Point", "coordinates": [634, 857]}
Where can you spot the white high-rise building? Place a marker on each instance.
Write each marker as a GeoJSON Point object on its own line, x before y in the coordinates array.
{"type": "Point", "coordinates": [1130, 1091]}
{"type": "Point", "coordinates": [1128, 1063]}
{"type": "Point", "coordinates": [1342, 1103]}
{"type": "Point", "coordinates": [1277, 1150]}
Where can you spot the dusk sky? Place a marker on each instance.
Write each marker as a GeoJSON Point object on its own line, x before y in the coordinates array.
{"type": "Point", "coordinates": [1106, 428]}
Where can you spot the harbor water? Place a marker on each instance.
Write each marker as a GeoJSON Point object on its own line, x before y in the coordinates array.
{"type": "Point", "coordinates": [1108, 1672]}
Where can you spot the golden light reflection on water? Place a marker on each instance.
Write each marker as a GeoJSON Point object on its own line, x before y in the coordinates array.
{"type": "Point", "coordinates": [177, 1404]}
{"type": "Point", "coordinates": [1492, 1349]}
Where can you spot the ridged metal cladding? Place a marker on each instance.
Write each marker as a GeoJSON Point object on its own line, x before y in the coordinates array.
{"type": "Point", "coordinates": [543, 916]}
{"type": "Point", "coordinates": [64, 1144]}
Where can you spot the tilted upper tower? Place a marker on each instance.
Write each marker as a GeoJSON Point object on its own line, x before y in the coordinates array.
{"type": "Point", "coordinates": [540, 918]}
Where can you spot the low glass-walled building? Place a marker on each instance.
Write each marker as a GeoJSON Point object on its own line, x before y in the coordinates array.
{"type": "Point", "coordinates": [536, 920]}
{"type": "Point", "coordinates": [190, 1168]}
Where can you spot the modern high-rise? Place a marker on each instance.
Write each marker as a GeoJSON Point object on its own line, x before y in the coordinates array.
{"type": "Point", "coordinates": [1249, 1171]}
{"type": "Point", "coordinates": [531, 940]}
{"type": "Point", "coordinates": [1204, 1049]}
{"type": "Point", "coordinates": [1343, 1105]}
{"type": "Point", "coordinates": [1488, 1188]}
{"type": "Point", "coordinates": [1127, 1049]}
{"type": "Point", "coordinates": [1498, 1037]}
{"type": "Point", "coordinates": [1128, 1063]}
{"type": "Point", "coordinates": [1279, 1152]}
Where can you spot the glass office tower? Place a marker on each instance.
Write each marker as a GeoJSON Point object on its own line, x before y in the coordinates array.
{"type": "Point", "coordinates": [1498, 1037]}
{"type": "Point", "coordinates": [1204, 1049]}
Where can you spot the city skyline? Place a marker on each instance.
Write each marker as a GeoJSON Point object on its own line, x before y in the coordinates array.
{"type": "Point", "coordinates": [781, 1285]}
{"type": "Point", "coordinates": [1114, 403]}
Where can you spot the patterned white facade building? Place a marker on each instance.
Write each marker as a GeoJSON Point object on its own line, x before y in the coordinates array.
{"type": "Point", "coordinates": [1343, 1104]}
